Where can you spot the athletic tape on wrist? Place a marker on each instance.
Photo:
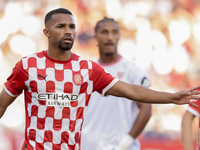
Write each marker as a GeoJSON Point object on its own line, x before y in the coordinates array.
{"type": "Point", "coordinates": [127, 141]}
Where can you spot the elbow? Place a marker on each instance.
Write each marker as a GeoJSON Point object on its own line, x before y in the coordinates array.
{"type": "Point", "coordinates": [149, 110]}
{"type": "Point", "coordinates": [149, 114]}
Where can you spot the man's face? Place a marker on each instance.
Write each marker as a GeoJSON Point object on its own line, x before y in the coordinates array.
{"type": "Point", "coordinates": [107, 37]}
{"type": "Point", "coordinates": [61, 31]}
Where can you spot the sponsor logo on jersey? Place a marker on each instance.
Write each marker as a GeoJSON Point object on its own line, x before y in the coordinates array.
{"type": "Point", "coordinates": [145, 82]}
{"type": "Point", "coordinates": [55, 99]}
{"type": "Point", "coordinates": [42, 77]}
{"type": "Point", "coordinates": [77, 79]}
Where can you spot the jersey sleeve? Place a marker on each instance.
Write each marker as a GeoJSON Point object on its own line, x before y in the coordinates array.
{"type": "Point", "coordinates": [193, 110]}
{"type": "Point", "coordinates": [16, 81]}
{"type": "Point", "coordinates": [102, 80]}
{"type": "Point", "coordinates": [138, 76]}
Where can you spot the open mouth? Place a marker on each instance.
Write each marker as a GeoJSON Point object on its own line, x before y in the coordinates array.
{"type": "Point", "coordinates": [109, 44]}
{"type": "Point", "coordinates": [67, 40]}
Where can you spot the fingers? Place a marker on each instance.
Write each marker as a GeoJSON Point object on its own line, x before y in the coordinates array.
{"type": "Point", "coordinates": [195, 97]}
{"type": "Point", "coordinates": [195, 92]}
{"type": "Point", "coordinates": [193, 88]}
{"type": "Point", "coordinates": [190, 91]}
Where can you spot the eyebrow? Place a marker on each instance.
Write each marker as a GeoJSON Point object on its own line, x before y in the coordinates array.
{"type": "Point", "coordinates": [111, 30]}
{"type": "Point", "coordinates": [64, 24]}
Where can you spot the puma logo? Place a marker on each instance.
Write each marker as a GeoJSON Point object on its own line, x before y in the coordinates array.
{"type": "Point", "coordinates": [42, 77]}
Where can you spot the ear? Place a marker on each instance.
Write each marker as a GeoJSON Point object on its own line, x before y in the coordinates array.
{"type": "Point", "coordinates": [95, 37]}
{"type": "Point", "coordinates": [46, 32]}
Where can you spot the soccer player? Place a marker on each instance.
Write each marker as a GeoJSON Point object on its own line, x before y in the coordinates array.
{"type": "Point", "coordinates": [57, 86]}
{"type": "Point", "coordinates": [114, 122]}
{"type": "Point", "coordinates": [186, 126]}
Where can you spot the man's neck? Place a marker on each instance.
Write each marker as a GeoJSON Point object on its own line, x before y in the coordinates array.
{"type": "Point", "coordinates": [58, 54]}
{"type": "Point", "coordinates": [107, 59]}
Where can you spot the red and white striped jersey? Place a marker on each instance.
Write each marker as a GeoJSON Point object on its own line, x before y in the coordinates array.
{"type": "Point", "coordinates": [56, 96]}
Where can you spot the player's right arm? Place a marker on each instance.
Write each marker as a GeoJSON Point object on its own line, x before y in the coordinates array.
{"type": "Point", "coordinates": [13, 87]}
{"type": "Point", "coordinates": [5, 101]}
{"type": "Point", "coordinates": [186, 130]}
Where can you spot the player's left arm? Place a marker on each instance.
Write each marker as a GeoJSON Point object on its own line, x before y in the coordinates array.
{"type": "Point", "coordinates": [138, 126]}
{"type": "Point", "coordinates": [145, 95]}
{"type": "Point", "coordinates": [144, 113]}
{"type": "Point", "coordinates": [142, 119]}
{"type": "Point", "coordinates": [5, 101]}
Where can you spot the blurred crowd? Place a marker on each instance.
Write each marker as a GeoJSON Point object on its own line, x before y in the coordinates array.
{"type": "Point", "coordinates": [162, 36]}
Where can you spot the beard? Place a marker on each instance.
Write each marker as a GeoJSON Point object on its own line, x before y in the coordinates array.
{"type": "Point", "coordinates": [109, 53]}
{"type": "Point", "coordinates": [65, 46]}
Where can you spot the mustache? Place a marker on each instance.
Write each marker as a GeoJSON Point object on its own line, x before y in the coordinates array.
{"type": "Point", "coordinates": [67, 36]}
{"type": "Point", "coordinates": [109, 42]}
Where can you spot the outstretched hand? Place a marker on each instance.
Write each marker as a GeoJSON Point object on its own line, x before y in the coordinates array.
{"type": "Point", "coordinates": [185, 96]}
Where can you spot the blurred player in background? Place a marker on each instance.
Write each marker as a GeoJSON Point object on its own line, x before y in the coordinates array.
{"type": "Point", "coordinates": [186, 125]}
{"type": "Point", "coordinates": [57, 86]}
{"type": "Point", "coordinates": [113, 122]}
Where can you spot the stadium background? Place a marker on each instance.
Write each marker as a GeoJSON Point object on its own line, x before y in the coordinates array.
{"type": "Point", "coordinates": [162, 36]}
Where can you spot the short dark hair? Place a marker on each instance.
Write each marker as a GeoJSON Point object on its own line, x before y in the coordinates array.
{"type": "Point", "coordinates": [105, 19]}
{"type": "Point", "coordinates": [56, 11]}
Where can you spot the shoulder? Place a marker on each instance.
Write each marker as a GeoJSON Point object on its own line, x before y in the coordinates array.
{"type": "Point", "coordinates": [134, 66]}
{"type": "Point", "coordinates": [136, 73]}
{"type": "Point", "coordinates": [38, 55]}
{"type": "Point", "coordinates": [33, 59]}
{"type": "Point", "coordinates": [84, 63]}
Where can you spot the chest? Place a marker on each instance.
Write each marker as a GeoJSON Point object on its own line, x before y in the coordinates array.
{"type": "Point", "coordinates": [57, 80]}
{"type": "Point", "coordinates": [121, 72]}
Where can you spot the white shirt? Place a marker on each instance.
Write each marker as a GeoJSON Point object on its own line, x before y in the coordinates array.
{"type": "Point", "coordinates": [108, 119]}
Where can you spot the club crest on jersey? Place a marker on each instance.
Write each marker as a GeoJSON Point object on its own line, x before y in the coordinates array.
{"type": "Point", "coordinates": [55, 99]}
{"type": "Point", "coordinates": [77, 79]}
